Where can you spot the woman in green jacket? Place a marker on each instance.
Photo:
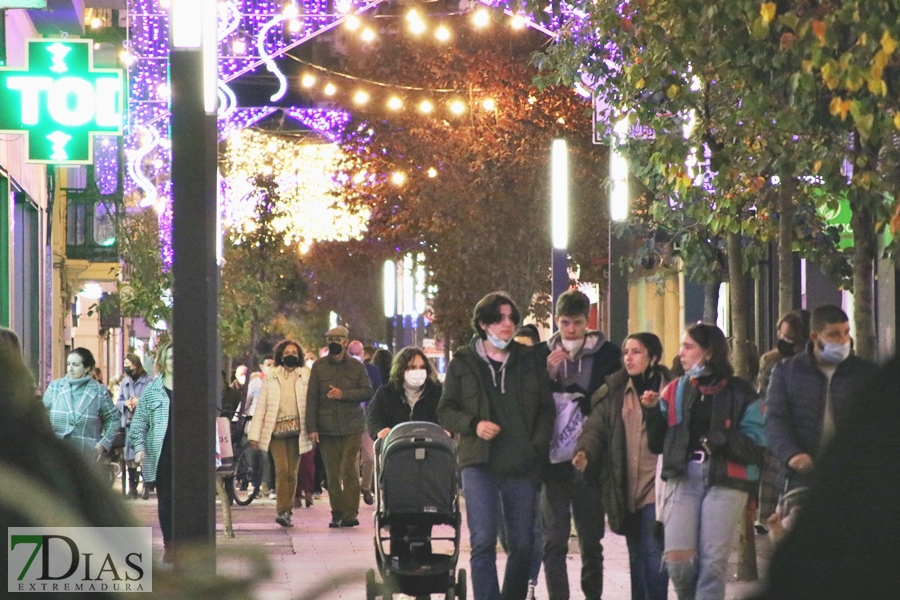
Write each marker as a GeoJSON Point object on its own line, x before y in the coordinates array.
{"type": "Point", "coordinates": [615, 435]}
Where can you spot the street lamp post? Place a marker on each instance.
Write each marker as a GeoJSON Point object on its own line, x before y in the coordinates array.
{"type": "Point", "coordinates": [617, 294]}
{"type": "Point", "coordinates": [559, 197]}
{"type": "Point", "coordinates": [390, 301]}
{"type": "Point", "coordinates": [193, 70]}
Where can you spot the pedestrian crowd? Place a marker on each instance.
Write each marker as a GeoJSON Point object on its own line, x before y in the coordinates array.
{"type": "Point", "coordinates": [571, 430]}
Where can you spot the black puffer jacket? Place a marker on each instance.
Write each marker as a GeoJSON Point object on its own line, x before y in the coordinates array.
{"type": "Point", "coordinates": [389, 407]}
{"type": "Point", "coordinates": [465, 402]}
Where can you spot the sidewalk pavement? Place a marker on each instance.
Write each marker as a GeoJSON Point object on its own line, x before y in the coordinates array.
{"type": "Point", "coordinates": [311, 556]}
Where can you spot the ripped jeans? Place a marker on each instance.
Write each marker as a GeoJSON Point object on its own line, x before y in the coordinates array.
{"type": "Point", "coordinates": [701, 519]}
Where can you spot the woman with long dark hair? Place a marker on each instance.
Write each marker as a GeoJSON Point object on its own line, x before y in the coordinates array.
{"type": "Point", "coordinates": [708, 425]}
{"type": "Point", "coordinates": [134, 381]}
{"type": "Point", "coordinates": [615, 434]}
{"type": "Point", "coordinates": [411, 394]}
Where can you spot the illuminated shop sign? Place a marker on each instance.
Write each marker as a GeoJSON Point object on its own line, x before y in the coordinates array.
{"type": "Point", "coordinates": [60, 101]}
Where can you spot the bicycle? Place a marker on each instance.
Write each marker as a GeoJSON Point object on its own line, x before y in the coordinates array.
{"type": "Point", "coordinates": [243, 486]}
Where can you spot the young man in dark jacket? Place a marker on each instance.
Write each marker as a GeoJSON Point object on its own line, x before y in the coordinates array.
{"type": "Point", "coordinates": [812, 393]}
{"type": "Point", "coordinates": [578, 362]}
{"type": "Point", "coordinates": [497, 399]}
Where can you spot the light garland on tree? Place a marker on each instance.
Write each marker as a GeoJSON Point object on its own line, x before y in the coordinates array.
{"type": "Point", "coordinates": [304, 174]}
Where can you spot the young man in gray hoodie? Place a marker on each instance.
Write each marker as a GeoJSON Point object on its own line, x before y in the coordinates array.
{"type": "Point", "coordinates": [578, 362]}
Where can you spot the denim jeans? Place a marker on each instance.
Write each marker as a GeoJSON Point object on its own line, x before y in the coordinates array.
{"type": "Point", "coordinates": [561, 502]}
{"type": "Point", "coordinates": [485, 493]}
{"type": "Point", "coordinates": [537, 548]}
{"type": "Point", "coordinates": [649, 579]}
{"type": "Point", "coordinates": [702, 518]}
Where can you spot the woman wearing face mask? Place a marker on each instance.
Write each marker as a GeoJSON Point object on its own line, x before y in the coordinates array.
{"type": "Point", "coordinates": [80, 408]}
{"type": "Point", "coordinates": [279, 426]}
{"type": "Point", "coordinates": [615, 434]}
{"type": "Point", "coordinates": [134, 381]}
{"type": "Point", "coordinates": [708, 425]}
{"type": "Point", "coordinates": [793, 335]}
{"type": "Point", "coordinates": [411, 394]}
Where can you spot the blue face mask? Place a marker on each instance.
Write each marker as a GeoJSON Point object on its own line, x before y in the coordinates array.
{"type": "Point", "coordinates": [834, 353]}
{"type": "Point", "coordinates": [695, 370]}
{"type": "Point", "coordinates": [497, 342]}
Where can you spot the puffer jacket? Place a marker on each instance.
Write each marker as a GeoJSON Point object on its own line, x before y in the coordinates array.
{"type": "Point", "coordinates": [268, 401]}
{"type": "Point", "coordinates": [465, 402]}
{"type": "Point", "coordinates": [327, 416]}
{"type": "Point", "coordinates": [603, 442]}
{"type": "Point", "coordinates": [736, 411]}
{"type": "Point", "coordinates": [795, 402]}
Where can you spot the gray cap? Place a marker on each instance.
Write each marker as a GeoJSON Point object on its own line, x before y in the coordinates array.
{"type": "Point", "coordinates": [339, 331]}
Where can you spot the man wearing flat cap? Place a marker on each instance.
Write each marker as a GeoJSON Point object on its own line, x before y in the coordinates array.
{"type": "Point", "coordinates": [335, 420]}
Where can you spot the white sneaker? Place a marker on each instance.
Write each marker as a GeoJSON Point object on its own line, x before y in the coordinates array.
{"type": "Point", "coordinates": [530, 594]}
{"type": "Point", "coordinates": [272, 495]}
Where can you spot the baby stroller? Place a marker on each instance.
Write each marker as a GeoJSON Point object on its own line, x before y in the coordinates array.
{"type": "Point", "coordinates": [416, 489]}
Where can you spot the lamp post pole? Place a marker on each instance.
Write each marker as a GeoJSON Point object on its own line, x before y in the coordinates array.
{"type": "Point", "coordinates": [195, 304]}
{"type": "Point", "coordinates": [617, 293]}
{"type": "Point", "coordinates": [389, 284]}
{"type": "Point", "coordinates": [559, 201]}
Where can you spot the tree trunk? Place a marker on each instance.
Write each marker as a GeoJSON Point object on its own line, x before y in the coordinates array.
{"type": "Point", "coordinates": [737, 292]}
{"type": "Point", "coordinates": [711, 301]}
{"type": "Point", "coordinates": [786, 214]}
{"type": "Point", "coordinates": [746, 568]}
{"type": "Point", "coordinates": [864, 254]}
{"type": "Point", "coordinates": [225, 501]}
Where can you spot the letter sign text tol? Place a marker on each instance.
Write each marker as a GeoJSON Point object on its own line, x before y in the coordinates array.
{"type": "Point", "coordinates": [61, 101]}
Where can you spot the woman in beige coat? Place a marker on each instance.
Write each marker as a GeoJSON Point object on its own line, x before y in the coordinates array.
{"type": "Point", "coordinates": [278, 423]}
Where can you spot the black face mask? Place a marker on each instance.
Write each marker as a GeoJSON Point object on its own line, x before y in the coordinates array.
{"type": "Point", "coordinates": [291, 361]}
{"type": "Point", "coordinates": [334, 349]}
{"type": "Point", "coordinates": [786, 348]}
{"type": "Point", "coordinates": [129, 371]}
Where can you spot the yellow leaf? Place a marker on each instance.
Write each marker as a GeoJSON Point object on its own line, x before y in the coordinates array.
{"type": "Point", "coordinates": [818, 165]}
{"type": "Point", "coordinates": [878, 87]}
{"type": "Point", "coordinates": [863, 39]}
{"type": "Point", "coordinates": [767, 12]}
{"type": "Point", "coordinates": [640, 84]}
{"type": "Point", "coordinates": [807, 66]}
{"type": "Point", "coordinates": [888, 44]}
{"type": "Point", "coordinates": [834, 107]}
{"type": "Point", "coordinates": [672, 91]}
{"type": "Point", "coordinates": [897, 120]}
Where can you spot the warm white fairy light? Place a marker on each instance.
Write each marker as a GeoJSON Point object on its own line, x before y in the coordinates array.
{"type": "Point", "coordinates": [457, 107]}
{"type": "Point", "coordinates": [481, 18]}
{"type": "Point", "coordinates": [398, 178]}
{"type": "Point", "coordinates": [361, 97]}
{"type": "Point", "coordinates": [126, 57]}
{"type": "Point", "coordinates": [432, 172]}
{"type": "Point", "coordinates": [308, 80]}
{"type": "Point", "coordinates": [417, 27]}
{"type": "Point", "coordinates": [442, 34]}
{"type": "Point", "coordinates": [238, 46]}
{"type": "Point", "coordinates": [395, 103]}
{"type": "Point", "coordinates": [412, 16]}
{"type": "Point", "coordinates": [426, 106]}
{"type": "Point", "coordinates": [489, 104]}
{"type": "Point", "coordinates": [295, 25]}
{"type": "Point", "coordinates": [367, 35]}
{"type": "Point", "coordinates": [352, 23]}
{"type": "Point", "coordinates": [518, 22]}
{"type": "Point", "coordinates": [290, 11]}
{"type": "Point", "coordinates": [344, 6]}
{"type": "Point", "coordinates": [330, 89]}
{"type": "Point", "coordinates": [162, 90]}
{"type": "Point", "coordinates": [304, 175]}
{"type": "Point", "coordinates": [96, 23]}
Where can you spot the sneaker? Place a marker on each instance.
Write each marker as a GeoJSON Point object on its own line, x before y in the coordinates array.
{"type": "Point", "coordinates": [351, 522]}
{"type": "Point", "coordinates": [530, 594]}
{"type": "Point", "coordinates": [272, 495]}
{"type": "Point", "coordinates": [367, 497]}
{"type": "Point", "coordinates": [336, 524]}
{"type": "Point", "coordinates": [284, 519]}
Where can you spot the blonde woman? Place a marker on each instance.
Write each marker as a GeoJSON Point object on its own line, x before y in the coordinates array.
{"type": "Point", "coordinates": [279, 426]}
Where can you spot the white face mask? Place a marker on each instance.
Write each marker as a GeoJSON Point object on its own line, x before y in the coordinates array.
{"type": "Point", "coordinates": [497, 342]}
{"type": "Point", "coordinates": [572, 346]}
{"type": "Point", "coordinates": [415, 378]}
{"type": "Point", "coordinates": [357, 357]}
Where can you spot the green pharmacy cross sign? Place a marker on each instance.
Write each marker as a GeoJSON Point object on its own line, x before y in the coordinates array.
{"type": "Point", "coordinates": [61, 101]}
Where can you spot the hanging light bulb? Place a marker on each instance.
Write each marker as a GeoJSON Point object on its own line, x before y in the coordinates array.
{"type": "Point", "coordinates": [481, 18]}
{"type": "Point", "coordinates": [412, 16]}
{"type": "Point", "coordinates": [426, 106]}
{"type": "Point", "coordinates": [290, 11]}
{"type": "Point", "coordinates": [330, 89]}
{"type": "Point", "coordinates": [518, 22]}
{"type": "Point", "coordinates": [398, 178]}
{"type": "Point", "coordinates": [238, 46]}
{"type": "Point", "coordinates": [352, 23]}
{"type": "Point", "coordinates": [417, 27]}
{"type": "Point", "coordinates": [457, 107]}
{"type": "Point", "coordinates": [308, 80]}
{"type": "Point", "coordinates": [442, 34]}
{"type": "Point", "coordinates": [395, 103]}
{"type": "Point", "coordinates": [127, 58]}
{"type": "Point", "coordinates": [367, 35]}
{"type": "Point", "coordinates": [96, 23]}
{"type": "Point", "coordinates": [361, 97]}
{"type": "Point", "coordinates": [162, 90]}
{"type": "Point", "coordinates": [489, 104]}
{"type": "Point", "coordinates": [295, 25]}
{"type": "Point", "coordinates": [344, 6]}
{"type": "Point", "coordinates": [432, 172]}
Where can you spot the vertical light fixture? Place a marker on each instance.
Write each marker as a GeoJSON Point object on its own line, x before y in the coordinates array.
{"type": "Point", "coordinates": [389, 283]}
{"type": "Point", "coordinates": [559, 215]}
{"type": "Point", "coordinates": [187, 35]}
{"type": "Point", "coordinates": [617, 292]}
{"type": "Point", "coordinates": [618, 173]}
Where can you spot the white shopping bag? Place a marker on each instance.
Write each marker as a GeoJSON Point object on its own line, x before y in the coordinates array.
{"type": "Point", "coordinates": [224, 452]}
{"type": "Point", "coordinates": [569, 423]}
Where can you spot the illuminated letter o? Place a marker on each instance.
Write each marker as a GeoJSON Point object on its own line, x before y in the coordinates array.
{"type": "Point", "coordinates": [84, 102]}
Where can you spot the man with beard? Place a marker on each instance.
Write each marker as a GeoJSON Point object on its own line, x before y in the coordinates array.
{"type": "Point", "coordinates": [335, 420]}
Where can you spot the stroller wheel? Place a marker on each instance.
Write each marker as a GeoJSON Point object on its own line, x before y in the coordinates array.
{"type": "Point", "coordinates": [371, 589]}
{"type": "Point", "coordinates": [461, 584]}
{"type": "Point", "coordinates": [451, 592]}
